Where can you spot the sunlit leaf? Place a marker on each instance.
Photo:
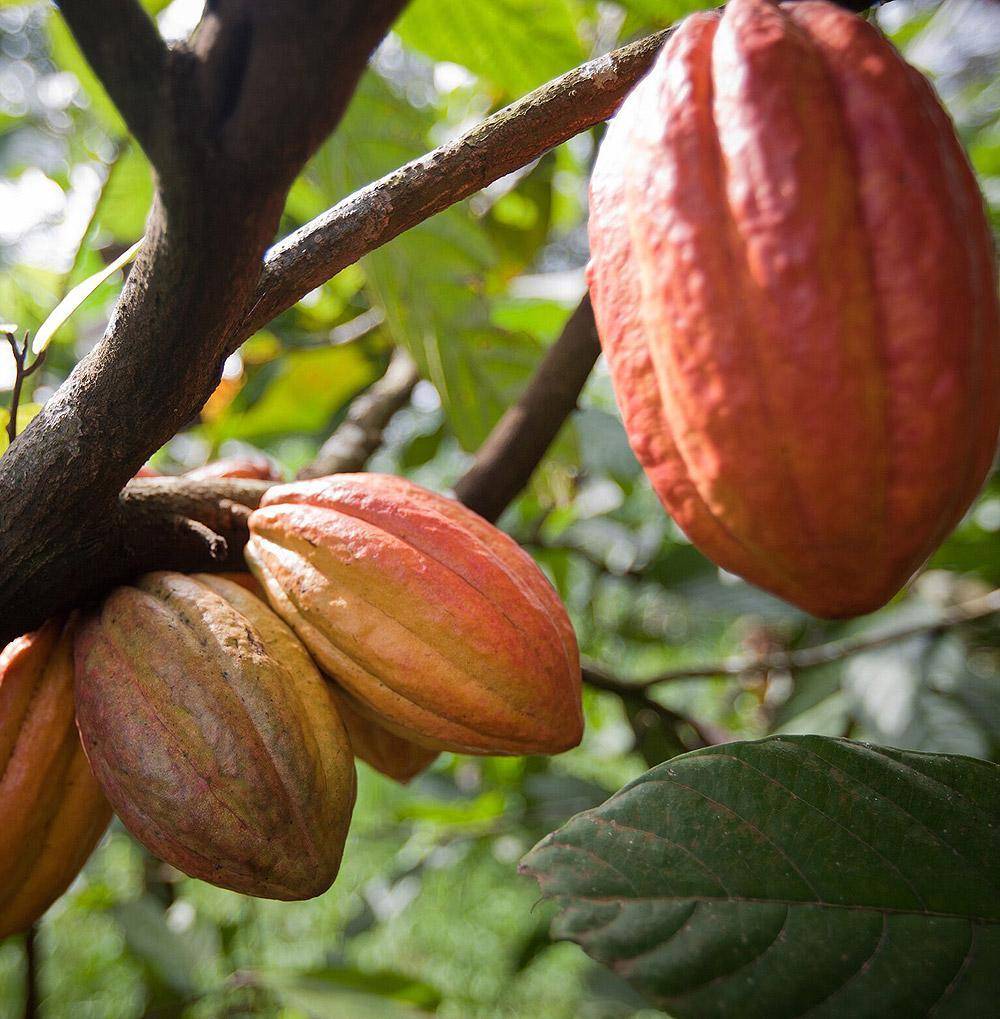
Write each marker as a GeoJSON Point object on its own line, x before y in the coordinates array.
{"type": "Point", "coordinates": [69, 304]}
{"type": "Point", "coordinates": [432, 281]}
{"type": "Point", "coordinates": [25, 412]}
{"type": "Point", "coordinates": [515, 44]}
{"type": "Point", "coordinates": [302, 391]}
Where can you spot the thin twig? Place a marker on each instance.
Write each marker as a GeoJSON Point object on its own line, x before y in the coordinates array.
{"type": "Point", "coordinates": [508, 140]}
{"type": "Point", "coordinates": [834, 651]}
{"type": "Point", "coordinates": [21, 371]}
{"type": "Point", "coordinates": [599, 679]}
{"type": "Point", "coordinates": [361, 431]}
{"type": "Point", "coordinates": [31, 972]}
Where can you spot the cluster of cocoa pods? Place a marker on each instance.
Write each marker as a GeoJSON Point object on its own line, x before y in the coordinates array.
{"type": "Point", "coordinates": [220, 715]}
{"type": "Point", "coordinates": [795, 288]}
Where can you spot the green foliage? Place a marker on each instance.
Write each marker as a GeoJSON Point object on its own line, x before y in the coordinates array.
{"type": "Point", "coordinates": [428, 913]}
{"type": "Point", "coordinates": [791, 875]}
{"type": "Point", "coordinates": [432, 282]}
{"type": "Point", "coordinates": [515, 45]}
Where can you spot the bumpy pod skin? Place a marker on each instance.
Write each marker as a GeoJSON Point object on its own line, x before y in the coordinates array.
{"type": "Point", "coordinates": [434, 621]}
{"type": "Point", "coordinates": [52, 811]}
{"type": "Point", "coordinates": [796, 296]}
{"type": "Point", "coordinates": [258, 468]}
{"type": "Point", "coordinates": [400, 759]}
{"type": "Point", "coordinates": [214, 735]}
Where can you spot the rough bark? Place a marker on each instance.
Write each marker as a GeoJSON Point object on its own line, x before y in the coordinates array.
{"type": "Point", "coordinates": [229, 132]}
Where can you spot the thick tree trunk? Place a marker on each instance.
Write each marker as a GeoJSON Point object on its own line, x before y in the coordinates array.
{"type": "Point", "coordinates": [228, 122]}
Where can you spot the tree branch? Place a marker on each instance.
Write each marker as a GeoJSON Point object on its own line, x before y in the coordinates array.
{"type": "Point", "coordinates": [515, 447]}
{"type": "Point", "coordinates": [707, 735]}
{"type": "Point", "coordinates": [221, 187]}
{"type": "Point", "coordinates": [834, 651]}
{"type": "Point", "coordinates": [504, 142]}
{"type": "Point", "coordinates": [360, 433]}
{"type": "Point", "coordinates": [127, 54]}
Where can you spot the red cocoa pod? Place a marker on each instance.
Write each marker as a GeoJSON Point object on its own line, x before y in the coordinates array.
{"type": "Point", "coordinates": [214, 735]}
{"type": "Point", "coordinates": [432, 619]}
{"type": "Point", "coordinates": [258, 468]}
{"type": "Point", "coordinates": [52, 811]}
{"type": "Point", "coordinates": [398, 758]}
{"type": "Point", "coordinates": [794, 285]}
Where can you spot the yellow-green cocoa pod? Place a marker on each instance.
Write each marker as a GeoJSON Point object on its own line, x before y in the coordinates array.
{"type": "Point", "coordinates": [214, 735]}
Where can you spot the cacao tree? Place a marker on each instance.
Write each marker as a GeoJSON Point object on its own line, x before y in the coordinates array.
{"type": "Point", "coordinates": [671, 676]}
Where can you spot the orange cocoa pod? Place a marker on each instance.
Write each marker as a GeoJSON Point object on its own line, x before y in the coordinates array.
{"type": "Point", "coordinates": [214, 735]}
{"type": "Point", "coordinates": [52, 811]}
{"type": "Point", "coordinates": [259, 468]}
{"type": "Point", "coordinates": [435, 621]}
{"type": "Point", "coordinates": [398, 758]}
{"type": "Point", "coordinates": [794, 284]}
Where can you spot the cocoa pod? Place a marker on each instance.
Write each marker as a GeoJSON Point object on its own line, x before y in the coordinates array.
{"type": "Point", "coordinates": [52, 811]}
{"type": "Point", "coordinates": [398, 758]}
{"type": "Point", "coordinates": [794, 285]}
{"type": "Point", "coordinates": [247, 581]}
{"type": "Point", "coordinates": [214, 735]}
{"type": "Point", "coordinates": [259, 468]}
{"type": "Point", "coordinates": [435, 621]}
{"type": "Point", "coordinates": [371, 742]}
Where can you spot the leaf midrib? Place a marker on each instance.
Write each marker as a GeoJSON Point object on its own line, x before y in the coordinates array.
{"type": "Point", "coordinates": [753, 900]}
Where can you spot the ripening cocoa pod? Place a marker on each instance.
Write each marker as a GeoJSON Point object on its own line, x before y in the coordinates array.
{"type": "Point", "coordinates": [247, 581]}
{"type": "Point", "coordinates": [214, 735]}
{"type": "Point", "coordinates": [398, 758]}
{"type": "Point", "coordinates": [432, 619]}
{"type": "Point", "coordinates": [794, 285]}
{"type": "Point", "coordinates": [258, 468]}
{"type": "Point", "coordinates": [379, 748]}
{"type": "Point", "coordinates": [52, 811]}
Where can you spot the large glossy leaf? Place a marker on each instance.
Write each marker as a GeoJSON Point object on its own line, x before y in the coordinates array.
{"type": "Point", "coordinates": [791, 876]}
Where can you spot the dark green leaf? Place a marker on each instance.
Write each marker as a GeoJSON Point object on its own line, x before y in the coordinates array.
{"type": "Point", "coordinates": [789, 876]}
